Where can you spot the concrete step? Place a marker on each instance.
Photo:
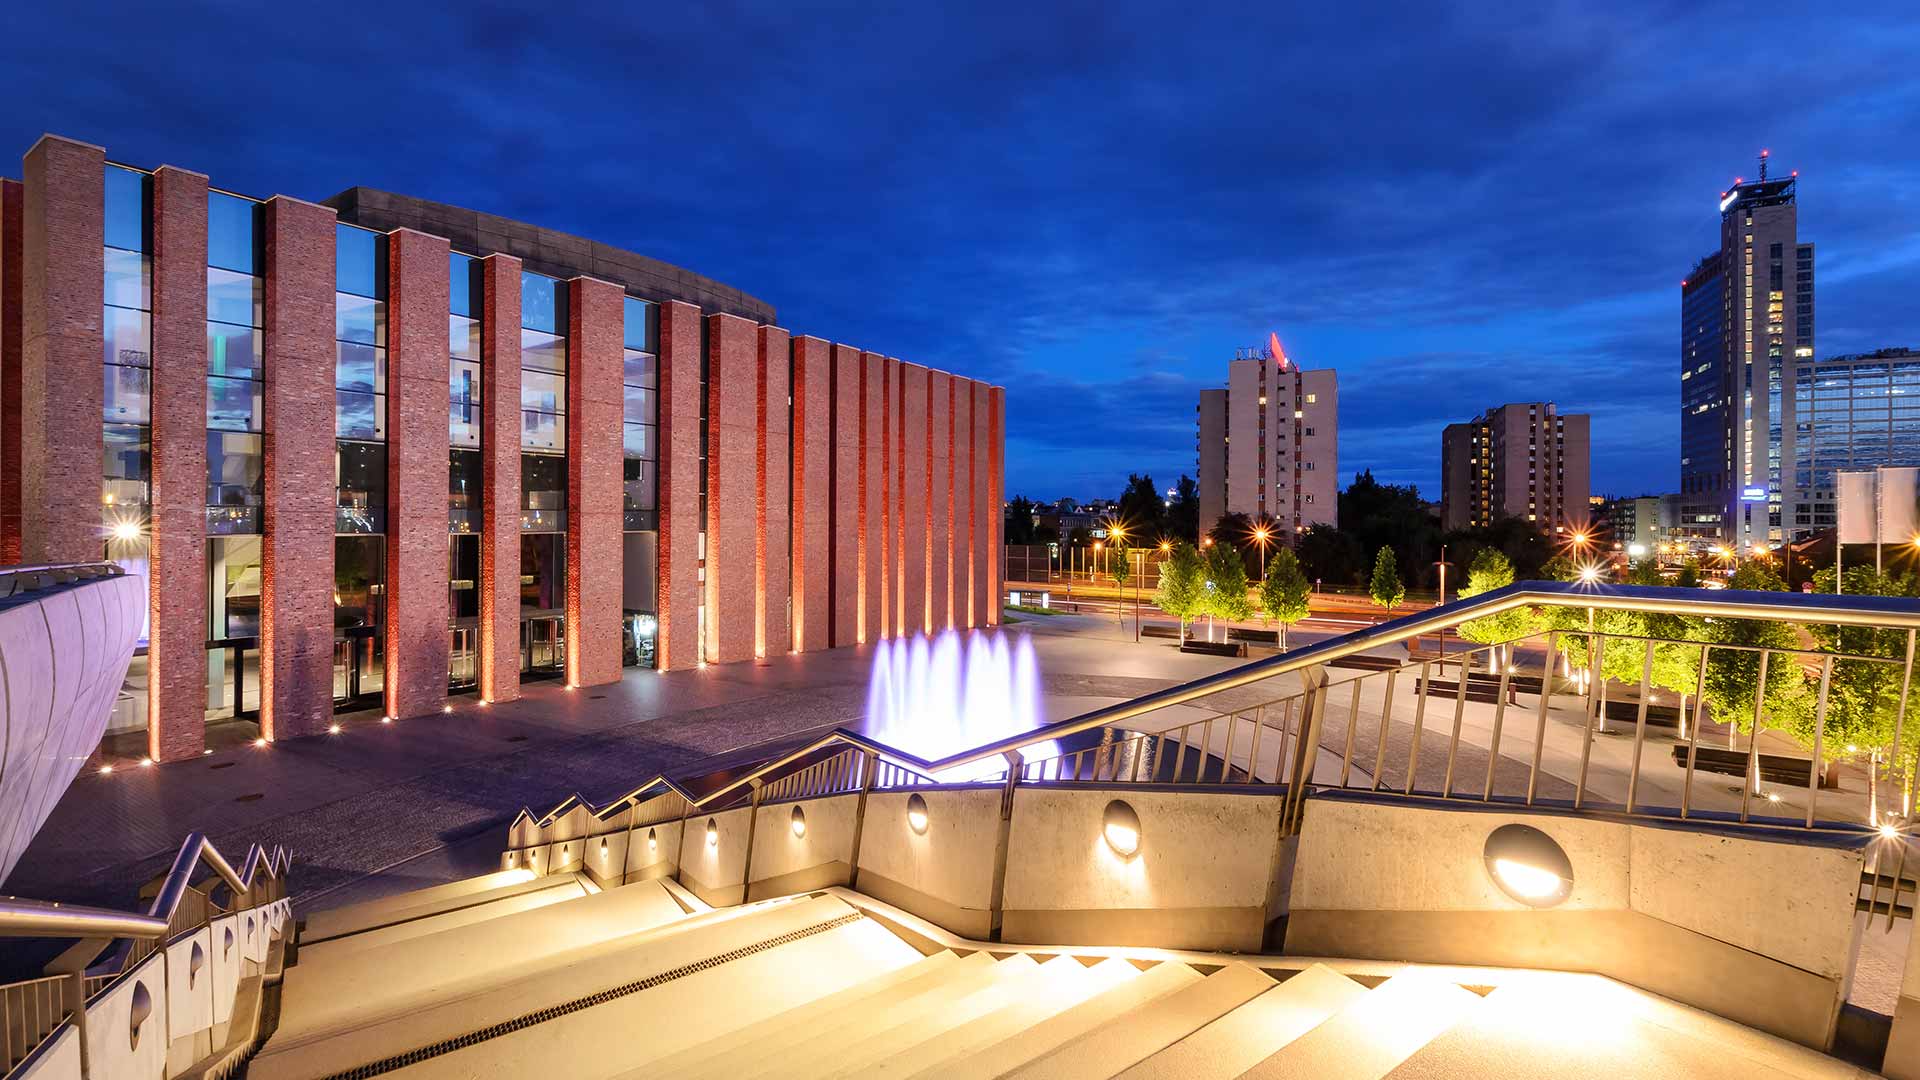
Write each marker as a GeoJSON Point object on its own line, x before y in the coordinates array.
{"type": "Point", "coordinates": [1566, 1032]}
{"type": "Point", "coordinates": [625, 1034]}
{"type": "Point", "coordinates": [1374, 1033]}
{"type": "Point", "coordinates": [1056, 1031]}
{"type": "Point", "coordinates": [877, 1032]}
{"type": "Point", "coordinates": [722, 1058]}
{"type": "Point", "coordinates": [379, 1006]}
{"type": "Point", "coordinates": [353, 918]}
{"type": "Point", "coordinates": [1249, 1034]}
{"type": "Point", "coordinates": [1018, 984]}
{"type": "Point", "coordinates": [1063, 983]}
{"type": "Point", "coordinates": [1126, 1040]}
{"type": "Point", "coordinates": [567, 887]}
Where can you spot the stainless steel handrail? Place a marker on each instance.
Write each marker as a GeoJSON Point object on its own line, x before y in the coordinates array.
{"type": "Point", "coordinates": [35, 918]}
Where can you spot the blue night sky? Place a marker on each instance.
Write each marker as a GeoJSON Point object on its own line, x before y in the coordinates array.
{"type": "Point", "coordinates": [1093, 203]}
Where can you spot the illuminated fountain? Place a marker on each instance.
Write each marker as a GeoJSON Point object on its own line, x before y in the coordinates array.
{"type": "Point", "coordinates": [932, 697]}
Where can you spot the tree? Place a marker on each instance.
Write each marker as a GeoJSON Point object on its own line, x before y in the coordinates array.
{"type": "Point", "coordinates": [1390, 515]}
{"type": "Point", "coordinates": [1863, 698]}
{"type": "Point", "coordinates": [1386, 587]}
{"type": "Point", "coordinates": [1020, 523]}
{"type": "Point", "coordinates": [1491, 570]}
{"type": "Point", "coordinates": [1733, 675]}
{"type": "Point", "coordinates": [1120, 565]}
{"type": "Point", "coordinates": [1329, 554]}
{"type": "Point", "coordinates": [1285, 591]}
{"type": "Point", "coordinates": [1232, 531]}
{"type": "Point", "coordinates": [1182, 585]}
{"type": "Point", "coordinates": [1226, 593]}
{"type": "Point", "coordinates": [1142, 509]}
{"type": "Point", "coordinates": [1183, 517]}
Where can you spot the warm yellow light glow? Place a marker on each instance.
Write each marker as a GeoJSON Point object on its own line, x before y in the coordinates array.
{"type": "Point", "coordinates": [1122, 840]}
{"type": "Point", "coordinates": [126, 530]}
{"type": "Point", "coordinates": [799, 823]}
{"type": "Point", "coordinates": [146, 763]}
{"type": "Point", "coordinates": [1773, 796]}
{"type": "Point", "coordinates": [1527, 881]}
{"type": "Point", "coordinates": [260, 741]}
{"type": "Point", "coordinates": [1889, 832]}
{"type": "Point", "coordinates": [1580, 539]}
{"type": "Point", "coordinates": [1589, 574]}
{"type": "Point", "coordinates": [105, 769]}
{"type": "Point", "coordinates": [1166, 546]}
{"type": "Point", "coordinates": [333, 729]}
{"type": "Point", "coordinates": [484, 703]}
{"type": "Point", "coordinates": [1120, 824]}
{"type": "Point", "coordinates": [446, 708]}
{"type": "Point", "coordinates": [652, 841]}
{"type": "Point", "coordinates": [713, 833]}
{"type": "Point", "coordinates": [917, 814]}
{"type": "Point", "coordinates": [386, 719]}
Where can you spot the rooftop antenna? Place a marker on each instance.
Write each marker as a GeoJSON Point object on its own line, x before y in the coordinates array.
{"type": "Point", "coordinates": [1763, 166]}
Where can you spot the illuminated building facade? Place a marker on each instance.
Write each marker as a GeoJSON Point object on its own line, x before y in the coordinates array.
{"type": "Point", "coordinates": [1269, 444]}
{"type": "Point", "coordinates": [1526, 460]}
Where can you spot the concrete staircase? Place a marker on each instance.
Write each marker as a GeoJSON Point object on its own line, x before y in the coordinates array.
{"type": "Point", "coordinates": [516, 976]}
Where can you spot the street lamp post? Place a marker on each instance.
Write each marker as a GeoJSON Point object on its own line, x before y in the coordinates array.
{"type": "Point", "coordinates": [1261, 534]}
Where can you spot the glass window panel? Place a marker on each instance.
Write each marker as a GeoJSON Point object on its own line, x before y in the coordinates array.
{"type": "Point", "coordinates": [640, 369]}
{"type": "Point", "coordinates": [359, 416]}
{"type": "Point", "coordinates": [127, 337]}
{"type": "Point", "coordinates": [125, 465]}
{"type": "Point", "coordinates": [129, 279]}
{"type": "Point", "coordinates": [233, 567]}
{"type": "Point", "coordinates": [234, 233]}
{"type": "Point", "coordinates": [542, 431]}
{"type": "Point", "coordinates": [639, 405]}
{"type": "Point", "coordinates": [464, 292]}
{"type": "Point", "coordinates": [234, 297]}
{"type": "Point", "coordinates": [359, 367]}
{"type": "Point", "coordinates": [360, 262]}
{"type": "Point", "coordinates": [129, 201]}
{"type": "Point", "coordinates": [359, 572]}
{"type": "Point", "coordinates": [233, 404]}
{"type": "Point", "coordinates": [236, 463]}
{"type": "Point", "coordinates": [128, 395]}
{"type": "Point", "coordinates": [360, 483]}
{"type": "Point", "coordinates": [463, 404]}
{"type": "Point", "coordinates": [642, 325]}
{"type": "Point", "coordinates": [359, 319]}
{"type": "Point", "coordinates": [541, 392]}
{"type": "Point", "coordinates": [637, 440]}
{"type": "Point", "coordinates": [543, 351]}
{"type": "Point", "coordinates": [463, 337]}
{"type": "Point", "coordinates": [543, 302]}
{"type": "Point", "coordinates": [464, 477]}
{"type": "Point", "coordinates": [638, 482]}
{"type": "Point", "coordinates": [233, 351]}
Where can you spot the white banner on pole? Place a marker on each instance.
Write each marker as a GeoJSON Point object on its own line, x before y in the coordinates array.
{"type": "Point", "coordinates": [1899, 505]}
{"type": "Point", "coordinates": [1854, 493]}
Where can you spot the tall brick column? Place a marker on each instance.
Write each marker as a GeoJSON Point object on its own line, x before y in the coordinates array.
{"type": "Point", "coordinates": [62, 293]}
{"type": "Point", "coordinates": [296, 551]}
{"type": "Point", "coordinates": [733, 387]}
{"type": "Point", "coordinates": [986, 516]}
{"type": "Point", "coordinates": [896, 494]}
{"type": "Point", "coordinates": [812, 491]}
{"type": "Point", "coordinates": [417, 444]}
{"type": "Point", "coordinates": [875, 492]}
{"type": "Point", "coordinates": [177, 534]}
{"type": "Point", "coordinates": [12, 268]}
{"type": "Point", "coordinates": [772, 474]}
{"type": "Point", "coordinates": [914, 493]}
{"type": "Point", "coordinates": [596, 337]}
{"type": "Point", "coordinates": [499, 644]}
{"type": "Point", "coordinates": [939, 500]}
{"type": "Point", "coordinates": [996, 485]}
{"type": "Point", "coordinates": [849, 530]}
{"type": "Point", "coordinates": [963, 610]}
{"type": "Point", "coordinates": [679, 639]}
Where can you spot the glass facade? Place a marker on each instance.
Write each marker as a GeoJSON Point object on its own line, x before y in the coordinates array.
{"type": "Point", "coordinates": [640, 379]}
{"type": "Point", "coordinates": [465, 470]}
{"type": "Point", "coordinates": [360, 462]}
{"type": "Point", "coordinates": [235, 374]}
{"type": "Point", "coordinates": [543, 472]}
{"type": "Point", "coordinates": [1852, 412]}
{"type": "Point", "coordinates": [126, 405]}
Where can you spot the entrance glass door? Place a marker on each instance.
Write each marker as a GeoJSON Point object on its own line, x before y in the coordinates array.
{"type": "Point", "coordinates": [543, 645]}
{"type": "Point", "coordinates": [359, 668]}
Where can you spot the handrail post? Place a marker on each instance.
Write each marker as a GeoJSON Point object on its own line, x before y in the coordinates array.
{"type": "Point", "coordinates": [867, 763]}
{"type": "Point", "coordinates": [1306, 753]}
{"type": "Point", "coordinates": [753, 820]}
{"type": "Point", "coordinates": [997, 909]}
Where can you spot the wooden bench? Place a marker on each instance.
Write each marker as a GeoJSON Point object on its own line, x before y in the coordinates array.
{"type": "Point", "coordinates": [1484, 691]}
{"type": "Point", "coordinates": [1155, 630]}
{"type": "Point", "coordinates": [1774, 768]}
{"type": "Point", "coordinates": [1252, 636]}
{"type": "Point", "coordinates": [1363, 662]}
{"type": "Point", "coordinates": [1214, 648]}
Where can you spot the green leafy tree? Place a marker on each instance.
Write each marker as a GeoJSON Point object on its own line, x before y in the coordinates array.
{"type": "Point", "coordinates": [1141, 508]}
{"type": "Point", "coordinates": [1863, 699]}
{"type": "Point", "coordinates": [1285, 591]}
{"type": "Point", "coordinates": [1386, 587]}
{"type": "Point", "coordinates": [1183, 517]}
{"type": "Point", "coordinates": [1020, 523]}
{"type": "Point", "coordinates": [1182, 585]}
{"type": "Point", "coordinates": [1330, 555]}
{"type": "Point", "coordinates": [1226, 594]}
{"type": "Point", "coordinates": [1492, 570]}
{"type": "Point", "coordinates": [1733, 675]}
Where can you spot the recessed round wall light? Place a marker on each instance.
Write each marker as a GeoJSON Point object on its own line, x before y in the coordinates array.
{"type": "Point", "coordinates": [917, 814]}
{"type": "Point", "coordinates": [651, 841]}
{"type": "Point", "coordinates": [1528, 865]}
{"type": "Point", "coordinates": [1121, 826]}
{"type": "Point", "coordinates": [713, 833]}
{"type": "Point", "coordinates": [798, 820]}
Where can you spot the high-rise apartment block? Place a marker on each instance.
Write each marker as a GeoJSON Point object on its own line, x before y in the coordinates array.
{"type": "Point", "coordinates": [1746, 330]}
{"type": "Point", "coordinates": [1269, 443]}
{"type": "Point", "coordinates": [1526, 460]}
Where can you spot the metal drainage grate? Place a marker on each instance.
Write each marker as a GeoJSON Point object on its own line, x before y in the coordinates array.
{"type": "Point", "coordinates": [554, 1012]}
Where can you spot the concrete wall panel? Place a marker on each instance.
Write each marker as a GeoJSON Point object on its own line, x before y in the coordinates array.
{"type": "Point", "coordinates": [680, 591]}
{"type": "Point", "coordinates": [812, 539]}
{"type": "Point", "coordinates": [916, 481]}
{"type": "Point", "coordinates": [59, 1059]}
{"type": "Point", "coordinates": [596, 336]}
{"type": "Point", "coordinates": [785, 863]}
{"type": "Point", "coordinates": [190, 980]}
{"type": "Point", "coordinates": [417, 445]}
{"type": "Point", "coordinates": [118, 1048]}
{"type": "Point", "coordinates": [296, 560]}
{"type": "Point", "coordinates": [944, 874]}
{"type": "Point", "coordinates": [225, 965]}
{"type": "Point", "coordinates": [773, 510]}
{"type": "Point", "coordinates": [848, 578]}
{"type": "Point", "coordinates": [177, 563]}
{"type": "Point", "coordinates": [500, 478]}
{"type": "Point", "coordinates": [733, 381]}
{"type": "Point", "coordinates": [713, 871]}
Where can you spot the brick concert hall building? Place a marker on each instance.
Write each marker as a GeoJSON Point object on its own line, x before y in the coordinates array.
{"type": "Point", "coordinates": [549, 457]}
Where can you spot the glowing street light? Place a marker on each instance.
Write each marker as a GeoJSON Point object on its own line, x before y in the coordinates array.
{"type": "Point", "coordinates": [1261, 534]}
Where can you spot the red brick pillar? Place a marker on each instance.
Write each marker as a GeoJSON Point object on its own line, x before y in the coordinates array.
{"type": "Point", "coordinates": [812, 492]}
{"type": "Point", "coordinates": [177, 536]}
{"type": "Point", "coordinates": [296, 551]}
{"type": "Point", "coordinates": [12, 197]}
{"type": "Point", "coordinates": [848, 583]}
{"type": "Point", "coordinates": [417, 446]}
{"type": "Point", "coordinates": [596, 354]}
{"type": "Point", "coordinates": [986, 515]}
{"type": "Point", "coordinates": [996, 486]}
{"type": "Point", "coordinates": [62, 233]}
{"type": "Point", "coordinates": [896, 535]}
{"type": "Point", "coordinates": [939, 500]}
{"type": "Point", "coordinates": [733, 387]}
{"type": "Point", "coordinates": [499, 644]}
{"type": "Point", "coordinates": [772, 472]}
{"type": "Point", "coordinates": [875, 495]}
{"type": "Point", "coordinates": [914, 493]}
{"type": "Point", "coordinates": [963, 610]}
{"type": "Point", "coordinates": [680, 592]}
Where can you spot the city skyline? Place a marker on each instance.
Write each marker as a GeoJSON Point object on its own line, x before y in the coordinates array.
{"type": "Point", "coordinates": [1069, 231]}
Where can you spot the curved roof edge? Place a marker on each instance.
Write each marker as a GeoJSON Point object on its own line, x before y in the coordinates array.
{"type": "Point", "coordinates": [546, 251]}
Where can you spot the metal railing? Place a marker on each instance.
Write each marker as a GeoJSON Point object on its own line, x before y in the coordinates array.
{"type": "Point", "coordinates": [17, 581]}
{"type": "Point", "coordinates": [34, 1009]}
